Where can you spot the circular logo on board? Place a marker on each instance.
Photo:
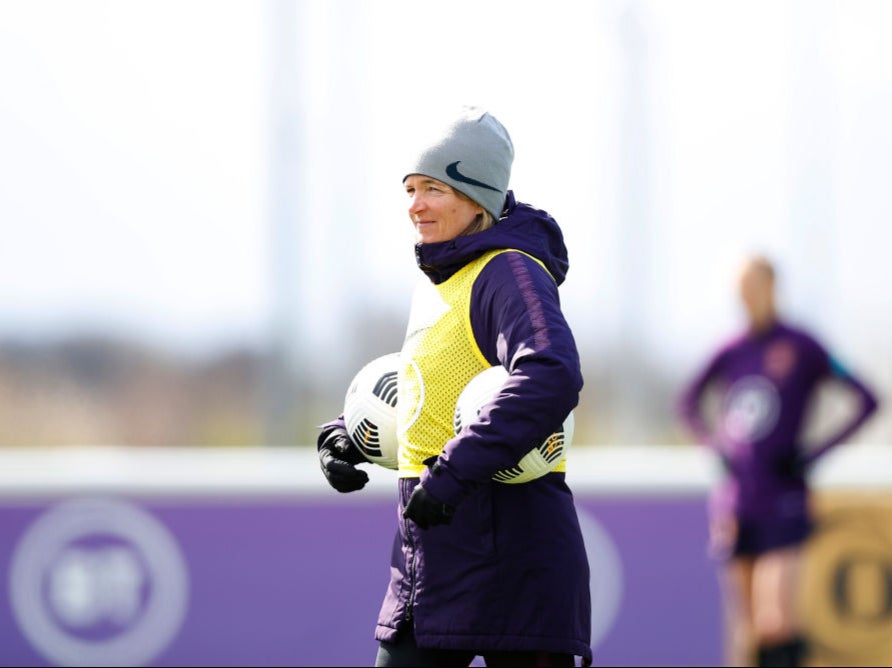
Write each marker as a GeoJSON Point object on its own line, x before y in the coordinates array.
{"type": "Point", "coordinates": [751, 409]}
{"type": "Point", "coordinates": [98, 582]}
{"type": "Point", "coordinates": [606, 568]}
{"type": "Point", "coordinates": [846, 588]}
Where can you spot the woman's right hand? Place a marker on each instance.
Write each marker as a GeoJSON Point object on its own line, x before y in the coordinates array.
{"type": "Point", "coordinates": [426, 510]}
{"type": "Point", "coordinates": [338, 458]}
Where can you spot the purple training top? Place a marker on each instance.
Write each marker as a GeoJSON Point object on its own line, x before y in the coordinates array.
{"type": "Point", "coordinates": [765, 382]}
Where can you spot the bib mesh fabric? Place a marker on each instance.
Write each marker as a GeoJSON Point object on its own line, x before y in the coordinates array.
{"type": "Point", "coordinates": [438, 358]}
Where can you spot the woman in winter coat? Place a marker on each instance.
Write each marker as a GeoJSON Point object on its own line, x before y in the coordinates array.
{"type": "Point", "coordinates": [479, 568]}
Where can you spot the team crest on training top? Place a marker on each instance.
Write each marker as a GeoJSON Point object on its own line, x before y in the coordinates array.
{"type": "Point", "coordinates": [780, 358]}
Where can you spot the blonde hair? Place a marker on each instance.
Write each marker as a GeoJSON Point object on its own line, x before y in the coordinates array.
{"type": "Point", "coordinates": [483, 220]}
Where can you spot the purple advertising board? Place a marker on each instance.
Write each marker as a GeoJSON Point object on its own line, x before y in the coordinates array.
{"type": "Point", "coordinates": [124, 579]}
{"type": "Point", "coordinates": [230, 557]}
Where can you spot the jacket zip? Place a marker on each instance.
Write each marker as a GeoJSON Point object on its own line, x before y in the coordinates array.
{"type": "Point", "coordinates": [410, 602]}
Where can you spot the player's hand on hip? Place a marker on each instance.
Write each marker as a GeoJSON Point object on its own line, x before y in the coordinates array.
{"type": "Point", "coordinates": [338, 458]}
{"type": "Point", "coordinates": [790, 466]}
{"type": "Point", "coordinates": [426, 510]}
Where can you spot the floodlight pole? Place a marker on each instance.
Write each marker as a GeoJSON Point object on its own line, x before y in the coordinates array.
{"type": "Point", "coordinates": [284, 372]}
{"type": "Point", "coordinates": [630, 364]}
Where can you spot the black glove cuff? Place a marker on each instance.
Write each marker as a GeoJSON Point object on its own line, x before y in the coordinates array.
{"type": "Point", "coordinates": [337, 441]}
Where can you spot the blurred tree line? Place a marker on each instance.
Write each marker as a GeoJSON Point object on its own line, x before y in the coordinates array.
{"type": "Point", "coordinates": [100, 390]}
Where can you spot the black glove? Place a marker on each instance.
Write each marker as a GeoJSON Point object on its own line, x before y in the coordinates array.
{"type": "Point", "coordinates": [790, 466]}
{"type": "Point", "coordinates": [426, 510]}
{"type": "Point", "coordinates": [338, 458]}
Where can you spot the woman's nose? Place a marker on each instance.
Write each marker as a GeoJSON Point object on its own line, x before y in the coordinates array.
{"type": "Point", "coordinates": [416, 204]}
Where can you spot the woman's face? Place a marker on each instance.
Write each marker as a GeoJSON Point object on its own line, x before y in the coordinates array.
{"type": "Point", "coordinates": [756, 290]}
{"type": "Point", "coordinates": [436, 210]}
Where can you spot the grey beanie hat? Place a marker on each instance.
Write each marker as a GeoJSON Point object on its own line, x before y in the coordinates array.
{"type": "Point", "coordinates": [474, 156]}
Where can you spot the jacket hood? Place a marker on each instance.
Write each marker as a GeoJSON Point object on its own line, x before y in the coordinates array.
{"type": "Point", "coordinates": [521, 227]}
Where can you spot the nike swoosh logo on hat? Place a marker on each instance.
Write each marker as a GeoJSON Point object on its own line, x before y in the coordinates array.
{"type": "Point", "coordinates": [453, 173]}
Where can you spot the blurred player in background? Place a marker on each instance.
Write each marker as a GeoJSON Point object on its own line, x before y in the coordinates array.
{"type": "Point", "coordinates": [479, 567]}
{"type": "Point", "coordinates": [759, 514]}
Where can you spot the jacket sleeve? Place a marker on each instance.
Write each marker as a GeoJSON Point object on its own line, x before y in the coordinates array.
{"type": "Point", "coordinates": [327, 428]}
{"type": "Point", "coordinates": [517, 322]}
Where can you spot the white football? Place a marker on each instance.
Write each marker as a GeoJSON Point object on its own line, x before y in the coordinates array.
{"type": "Point", "coordinates": [370, 410]}
{"type": "Point", "coordinates": [539, 460]}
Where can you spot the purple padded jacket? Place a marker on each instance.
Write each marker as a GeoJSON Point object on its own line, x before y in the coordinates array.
{"type": "Point", "coordinates": [510, 573]}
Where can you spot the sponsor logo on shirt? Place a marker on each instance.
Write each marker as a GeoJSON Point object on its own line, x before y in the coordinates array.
{"type": "Point", "coordinates": [751, 409]}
